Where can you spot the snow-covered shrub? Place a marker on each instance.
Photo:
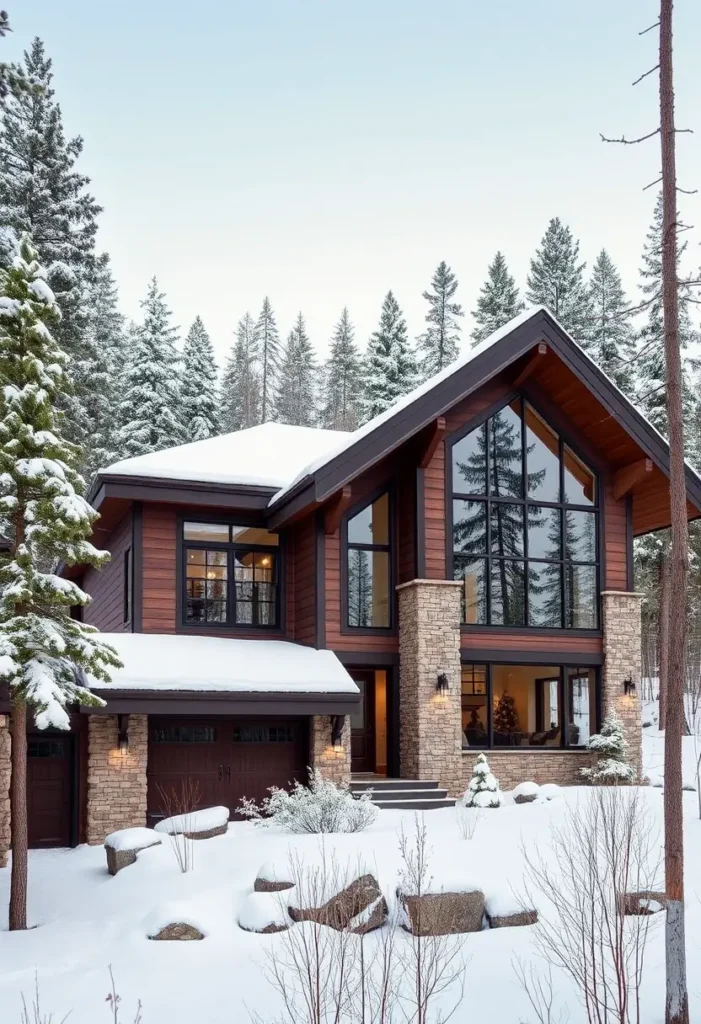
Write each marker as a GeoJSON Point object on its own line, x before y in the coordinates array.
{"type": "Point", "coordinates": [322, 806]}
{"type": "Point", "coordinates": [483, 790]}
{"type": "Point", "coordinates": [612, 752]}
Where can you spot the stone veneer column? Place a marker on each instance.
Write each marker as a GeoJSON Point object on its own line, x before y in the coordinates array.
{"type": "Point", "coordinates": [333, 762]}
{"type": "Point", "coordinates": [5, 742]}
{"type": "Point", "coordinates": [429, 644]}
{"type": "Point", "coordinates": [623, 660]}
{"type": "Point", "coordinates": [116, 779]}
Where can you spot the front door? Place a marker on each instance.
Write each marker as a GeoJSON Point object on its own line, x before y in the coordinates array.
{"type": "Point", "coordinates": [49, 790]}
{"type": "Point", "coordinates": [363, 724]}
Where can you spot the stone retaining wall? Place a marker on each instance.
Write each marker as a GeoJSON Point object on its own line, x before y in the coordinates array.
{"type": "Point", "coordinates": [333, 762]}
{"type": "Point", "coordinates": [116, 779]}
{"type": "Point", "coordinates": [510, 769]}
{"type": "Point", "coordinates": [5, 744]}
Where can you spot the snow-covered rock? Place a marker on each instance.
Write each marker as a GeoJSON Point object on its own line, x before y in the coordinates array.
{"type": "Point", "coordinates": [441, 913]}
{"type": "Point", "coordinates": [211, 821]}
{"type": "Point", "coordinates": [504, 909]}
{"type": "Point", "coordinates": [175, 921]}
{"type": "Point", "coordinates": [550, 791]}
{"type": "Point", "coordinates": [526, 793]}
{"type": "Point", "coordinates": [273, 878]}
{"type": "Point", "coordinates": [123, 846]}
{"type": "Point", "coordinates": [265, 912]}
{"type": "Point", "coordinates": [358, 906]}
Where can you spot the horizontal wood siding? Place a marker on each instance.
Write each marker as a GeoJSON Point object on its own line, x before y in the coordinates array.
{"type": "Point", "coordinates": [106, 585]}
{"type": "Point", "coordinates": [615, 540]}
{"type": "Point", "coordinates": [474, 640]}
{"type": "Point", "coordinates": [159, 569]}
{"type": "Point", "coordinates": [301, 581]}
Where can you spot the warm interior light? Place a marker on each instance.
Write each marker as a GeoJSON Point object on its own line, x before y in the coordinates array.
{"type": "Point", "coordinates": [442, 683]}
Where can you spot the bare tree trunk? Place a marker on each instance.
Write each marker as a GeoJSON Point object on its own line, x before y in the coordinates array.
{"type": "Point", "coordinates": [18, 818]}
{"type": "Point", "coordinates": [677, 1000]}
{"type": "Point", "coordinates": [664, 637]}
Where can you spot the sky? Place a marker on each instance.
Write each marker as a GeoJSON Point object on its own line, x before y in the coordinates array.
{"type": "Point", "coordinates": [322, 152]}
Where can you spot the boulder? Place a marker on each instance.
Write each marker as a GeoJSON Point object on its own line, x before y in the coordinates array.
{"type": "Point", "coordinates": [178, 931]}
{"type": "Point", "coordinates": [270, 878]}
{"type": "Point", "coordinates": [442, 913]}
{"type": "Point", "coordinates": [359, 907]}
{"type": "Point", "coordinates": [204, 824]}
{"type": "Point", "coordinates": [520, 920]}
{"type": "Point", "coordinates": [640, 904]}
{"type": "Point", "coordinates": [526, 793]}
{"type": "Point", "coordinates": [264, 913]}
{"type": "Point", "coordinates": [123, 846]}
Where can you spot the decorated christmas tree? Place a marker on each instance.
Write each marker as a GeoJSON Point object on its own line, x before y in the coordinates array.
{"type": "Point", "coordinates": [612, 754]}
{"type": "Point", "coordinates": [483, 790]}
{"type": "Point", "coordinates": [506, 715]}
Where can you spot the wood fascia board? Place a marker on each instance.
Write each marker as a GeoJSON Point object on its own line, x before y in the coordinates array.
{"type": "Point", "coordinates": [540, 350]}
{"type": "Point", "coordinates": [334, 513]}
{"type": "Point", "coordinates": [289, 510]}
{"type": "Point", "coordinates": [434, 439]}
{"type": "Point", "coordinates": [625, 479]}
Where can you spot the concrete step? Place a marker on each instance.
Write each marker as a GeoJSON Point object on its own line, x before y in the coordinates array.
{"type": "Point", "coordinates": [406, 794]}
{"type": "Point", "coordinates": [418, 804]}
{"type": "Point", "coordinates": [381, 785]}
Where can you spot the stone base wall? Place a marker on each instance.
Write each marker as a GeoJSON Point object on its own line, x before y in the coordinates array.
{"type": "Point", "coordinates": [116, 779]}
{"type": "Point", "coordinates": [333, 762]}
{"type": "Point", "coordinates": [429, 645]}
{"type": "Point", "coordinates": [5, 771]}
{"type": "Point", "coordinates": [623, 660]}
{"type": "Point", "coordinates": [510, 769]}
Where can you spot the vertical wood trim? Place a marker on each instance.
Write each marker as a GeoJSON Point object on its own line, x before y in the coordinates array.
{"type": "Point", "coordinates": [630, 563]}
{"type": "Point", "coordinates": [320, 559]}
{"type": "Point", "coordinates": [420, 547]}
{"type": "Point", "coordinates": [137, 567]}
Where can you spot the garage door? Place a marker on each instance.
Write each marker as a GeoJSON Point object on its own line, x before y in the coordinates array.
{"type": "Point", "coordinates": [225, 759]}
{"type": "Point", "coordinates": [49, 771]}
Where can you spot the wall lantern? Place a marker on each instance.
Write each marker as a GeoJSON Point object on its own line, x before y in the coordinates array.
{"type": "Point", "coordinates": [337, 731]}
{"type": "Point", "coordinates": [442, 684]}
{"type": "Point", "coordinates": [629, 687]}
{"type": "Point", "coordinates": [123, 733]}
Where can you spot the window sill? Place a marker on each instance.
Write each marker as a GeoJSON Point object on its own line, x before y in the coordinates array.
{"type": "Point", "coordinates": [205, 630]}
{"type": "Point", "coordinates": [530, 630]}
{"type": "Point", "coordinates": [520, 751]}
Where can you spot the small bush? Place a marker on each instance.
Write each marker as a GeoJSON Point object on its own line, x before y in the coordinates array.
{"type": "Point", "coordinates": [322, 806]}
{"type": "Point", "coordinates": [483, 790]}
{"type": "Point", "coordinates": [612, 752]}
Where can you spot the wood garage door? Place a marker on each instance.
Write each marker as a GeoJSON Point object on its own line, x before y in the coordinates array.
{"type": "Point", "coordinates": [224, 758]}
{"type": "Point", "coordinates": [49, 790]}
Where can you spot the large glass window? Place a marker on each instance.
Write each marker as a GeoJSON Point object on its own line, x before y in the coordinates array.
{"type": "Point", "coordinates": [524, 525]}
{"type": "Point", "coordinates": [231, 575]}
{"type": "Point", "coordinates": [475, 713]}
{"type": "Point", "coordinates": [368, 566]}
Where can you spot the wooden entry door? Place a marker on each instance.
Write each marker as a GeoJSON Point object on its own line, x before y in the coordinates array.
{"type": "Point", "coordinates": [49, 790]}
{"type": "Point", "coordinates": [363, 724]}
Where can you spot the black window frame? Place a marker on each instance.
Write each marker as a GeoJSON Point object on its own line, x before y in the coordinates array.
{"type": "Point", "coordinates": [390, 548]}
{"type": "Point", "coordinates": [231, 547]}
{"type": "Point", "coordinates": [524, 501]}
{"type": "Point", "coordinates": [563, 668]}
{"type": "Point", "coordinates": [128, 583]}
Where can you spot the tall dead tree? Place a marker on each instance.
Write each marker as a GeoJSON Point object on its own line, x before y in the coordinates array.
{"type": "Point", "coordinates": [677, 1000]}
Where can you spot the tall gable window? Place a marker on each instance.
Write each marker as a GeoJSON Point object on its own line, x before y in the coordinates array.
{"type": "Point", "coordinates": [231, 575]}
{"type": "Point", "coordinates": [368, 566]}
{"type": "Point", "coordinates": [524, 525]}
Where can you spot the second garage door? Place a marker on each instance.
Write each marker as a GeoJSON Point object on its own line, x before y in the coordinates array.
{"type": "Point", "coordinates": [225, 759]}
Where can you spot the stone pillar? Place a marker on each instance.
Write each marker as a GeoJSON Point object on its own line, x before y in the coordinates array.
{"type": "Point", "coordinates": [116, 779]}
{"type": "Point", "coordinates": [5, 771]}
{"type": "Point", "coordinates": [623, 660]}
{"type": "Point", "coordinates": [429, 644]}
{"type": "Point", "coordinates": [333, 762]}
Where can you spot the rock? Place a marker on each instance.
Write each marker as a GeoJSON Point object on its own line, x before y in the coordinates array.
{"type": "Point", "coordinates": [520, 920]}
{"type": "Point", "coordinates": [264, 913]}
{"type": "Point", "coordinates": [204, 824]}
{"type": "Point", "coordinates": [526, 793]}
{"type": "Point", "coordinates": [360, 907]}
{"type": "Point", "coordinates": [270, 878]}
{"type": "Point", "coordinates": [123, 846]}
{"type": "Point", "coordinates": [444, 913]}
{"type": "Point", "coordinates": [640, 904]}
{"type": "Point", "coordinates": [178, 931]}
{"type": "Point", "coordinates": [209, 833]}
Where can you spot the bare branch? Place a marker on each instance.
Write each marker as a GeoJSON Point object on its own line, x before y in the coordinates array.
{"type": "Point", "coordinates": [652, 184]}
{"type": "Point", "coordinates": [656, 68]}
{"type": "Point", "coordinates": [623, 141]}
{"type": "Point", "coordinates": [649, 28]}
{"type": "Point", "coordinates": [686, 191]}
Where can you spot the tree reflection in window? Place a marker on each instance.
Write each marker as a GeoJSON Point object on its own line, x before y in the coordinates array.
{"type": "Point", "coordinates": [368, 566]}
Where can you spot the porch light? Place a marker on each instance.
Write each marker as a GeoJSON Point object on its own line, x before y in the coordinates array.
{"type": "Point", "coordinates": [337, 731]}
{"type": "Point", "coordinates": [442, 684]}
{"type": "Point", "coordinates": [123, 733]}
{"type": "Point", "coordinates": [629, 687]}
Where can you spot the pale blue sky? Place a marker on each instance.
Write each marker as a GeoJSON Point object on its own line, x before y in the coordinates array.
{"type": "Point", "coordinates": [323, 151]}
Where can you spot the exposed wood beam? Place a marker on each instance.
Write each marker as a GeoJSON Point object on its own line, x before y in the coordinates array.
{"type": "Point", "coordinates": [436, 435]}
{"type": "Point", "coordinates": [626, 479]}
{"type": "Point", "coordinates": [538, 352]}
{"type": "Point", "coordinates": [334, 513]}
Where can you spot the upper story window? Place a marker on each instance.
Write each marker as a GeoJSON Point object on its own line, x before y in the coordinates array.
{"type": "Point", "coordinates": [524, 525]}
{"type": "Point", "coordinates": [369, 561]}
{"type": "Point", "coordinates": [231, 575]}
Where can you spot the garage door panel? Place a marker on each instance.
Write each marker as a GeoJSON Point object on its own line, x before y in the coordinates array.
{"type": "Point", "coordinates": [49, 772]}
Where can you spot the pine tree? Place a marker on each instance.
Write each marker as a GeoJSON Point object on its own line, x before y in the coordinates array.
{"type": "Point", "coordinates": [342, 379]}
{"type": "Point", "coordinates": [611, 344]}
{"type": "Point", "coordinates": [556, 280]}
{"type": "Point", "coordinates": [438, 345]}
{"type": "Point", "coordinates": [149, 412]}
{"type": "Point", "coordinates": [483, 790]}
{"type": "Point", "coordinates": [498, 300]}
{"type": "Point", "coordinates": [13, 81]}
{"type": "Point", "coordinates": [199, 397]}
{"type": "Point", "coordinates": [269, 352]}
{"type": "Point", "coordinates": [240, 387]}
{"type": "Point", "coordinates": [43, 651]}
{"type": "Point", "coordinates": [612, 752]}
{"type": "Point", "coordinates": [297, 394]}
{"type": "Point", "coordinates": [390, 368]}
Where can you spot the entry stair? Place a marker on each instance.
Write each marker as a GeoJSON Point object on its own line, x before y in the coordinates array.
{"type": "Point", "coordinates": [401, 794]}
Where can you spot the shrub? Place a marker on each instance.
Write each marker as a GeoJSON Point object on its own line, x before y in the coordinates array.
{"type": "Point", "coordinates": [483, 790]}
{"type": "Point", "coordinates": [322, 806]}
{"type": "Point", "coordinates": [612, 750]}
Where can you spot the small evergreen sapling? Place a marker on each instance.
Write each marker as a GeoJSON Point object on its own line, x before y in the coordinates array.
{"type": "Point", "coordinates": [612, 751]}
{"type": "Point", "coordinates": [483, 790]}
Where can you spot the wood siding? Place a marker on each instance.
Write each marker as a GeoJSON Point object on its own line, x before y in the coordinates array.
{"type": "Point", "coordinates": [301, 581]}
{"type": "Point", "coordinates": [106, 585]}
{"type": "Point", "coordinates": [524, 640]}
{"type": "Point", "coordinates": [615, 540]}
{"type": "Point", "coordinates": [159, 586]}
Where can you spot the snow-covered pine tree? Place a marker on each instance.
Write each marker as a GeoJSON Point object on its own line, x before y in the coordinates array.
{"type": "Point", "coordinates": [438, 345]}
{"type": "Point", "coordinates": [483, 790]}
{"type": "Point", "coordinates": [13, 80]}
{"type": "Point", "coordinates": [149, 412]}
{"type": "Point", "coordinates": [498, 300]}
{"type": "Point", "coordinates": [199, 394]}
{"type": "Point", "coordinates": [240, 386]}
{"type": "Point", "coordinates": [269, 355]}
{"type": "Point", "coordinates": [342, 380]}
{"type": "Point", "coordinates": [296, 401]}
{"type": "Point", "coordinates": [44, 653]}
{"type": "Point", "coordinates": [390, 368]}
{"type": "Point", "coordinates": [611, 343]}
{"type": "Point", "coordinates": [556, 280]}
{"type": "Point", "coordinates": [611, 749]}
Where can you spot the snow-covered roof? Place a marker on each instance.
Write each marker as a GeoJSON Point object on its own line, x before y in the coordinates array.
{"type": "Point", "coordinates": [211, 663]}
{"type": "Point", "coordinates": [269, 455]}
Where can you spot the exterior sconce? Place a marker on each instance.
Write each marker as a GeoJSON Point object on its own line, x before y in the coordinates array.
{"type": "Point", "coordinates": [337, 731]}
{"type": "Point", "coordinates": [629, 687]}
{"type": "Point", "coordinates": [442, 684]}
{"type": "Point", "coordinates": [123, 733]}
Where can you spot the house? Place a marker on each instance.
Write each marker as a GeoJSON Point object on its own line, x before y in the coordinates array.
{"type": "Point", "coordinates": [454, 576]}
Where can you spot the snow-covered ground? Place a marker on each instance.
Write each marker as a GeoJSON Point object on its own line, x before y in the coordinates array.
{"type": "Point", "coordinates": [653, 751]}
{"type": "Point", "coordinates": [87, 920]}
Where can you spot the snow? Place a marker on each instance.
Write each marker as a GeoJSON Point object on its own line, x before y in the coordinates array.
{"type": "Point", "coordinates": [261, 909]}
{"type": "Point", "coordinates": [195, 821]}
{"type": "Point", "coordinates": [503, 901]}
{"type": "Point", "coordinates": [210, 663]}
{"type": "Point", "coordinates": [653, 752]}
{"type": "Point", "coordinates": [176, 912]}
{"type": "Point", "coordinates": [269, 455]}
{"type": "Point", "coordinates": [549, 791]}
{"type": "Point", "coordinates": [132, 839]}
{"type": "Point", "coordinates": [526, 789]}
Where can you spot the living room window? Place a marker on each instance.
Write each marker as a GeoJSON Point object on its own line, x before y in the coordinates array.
{"type": "Point", "coordinates": [527, 706]}
{"type": "Point", "coordinates": [524, 525]}
{"type": "Point", "coordinates": [368, 567]}
{"type": "Point", "coordinates": [231, 575]}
